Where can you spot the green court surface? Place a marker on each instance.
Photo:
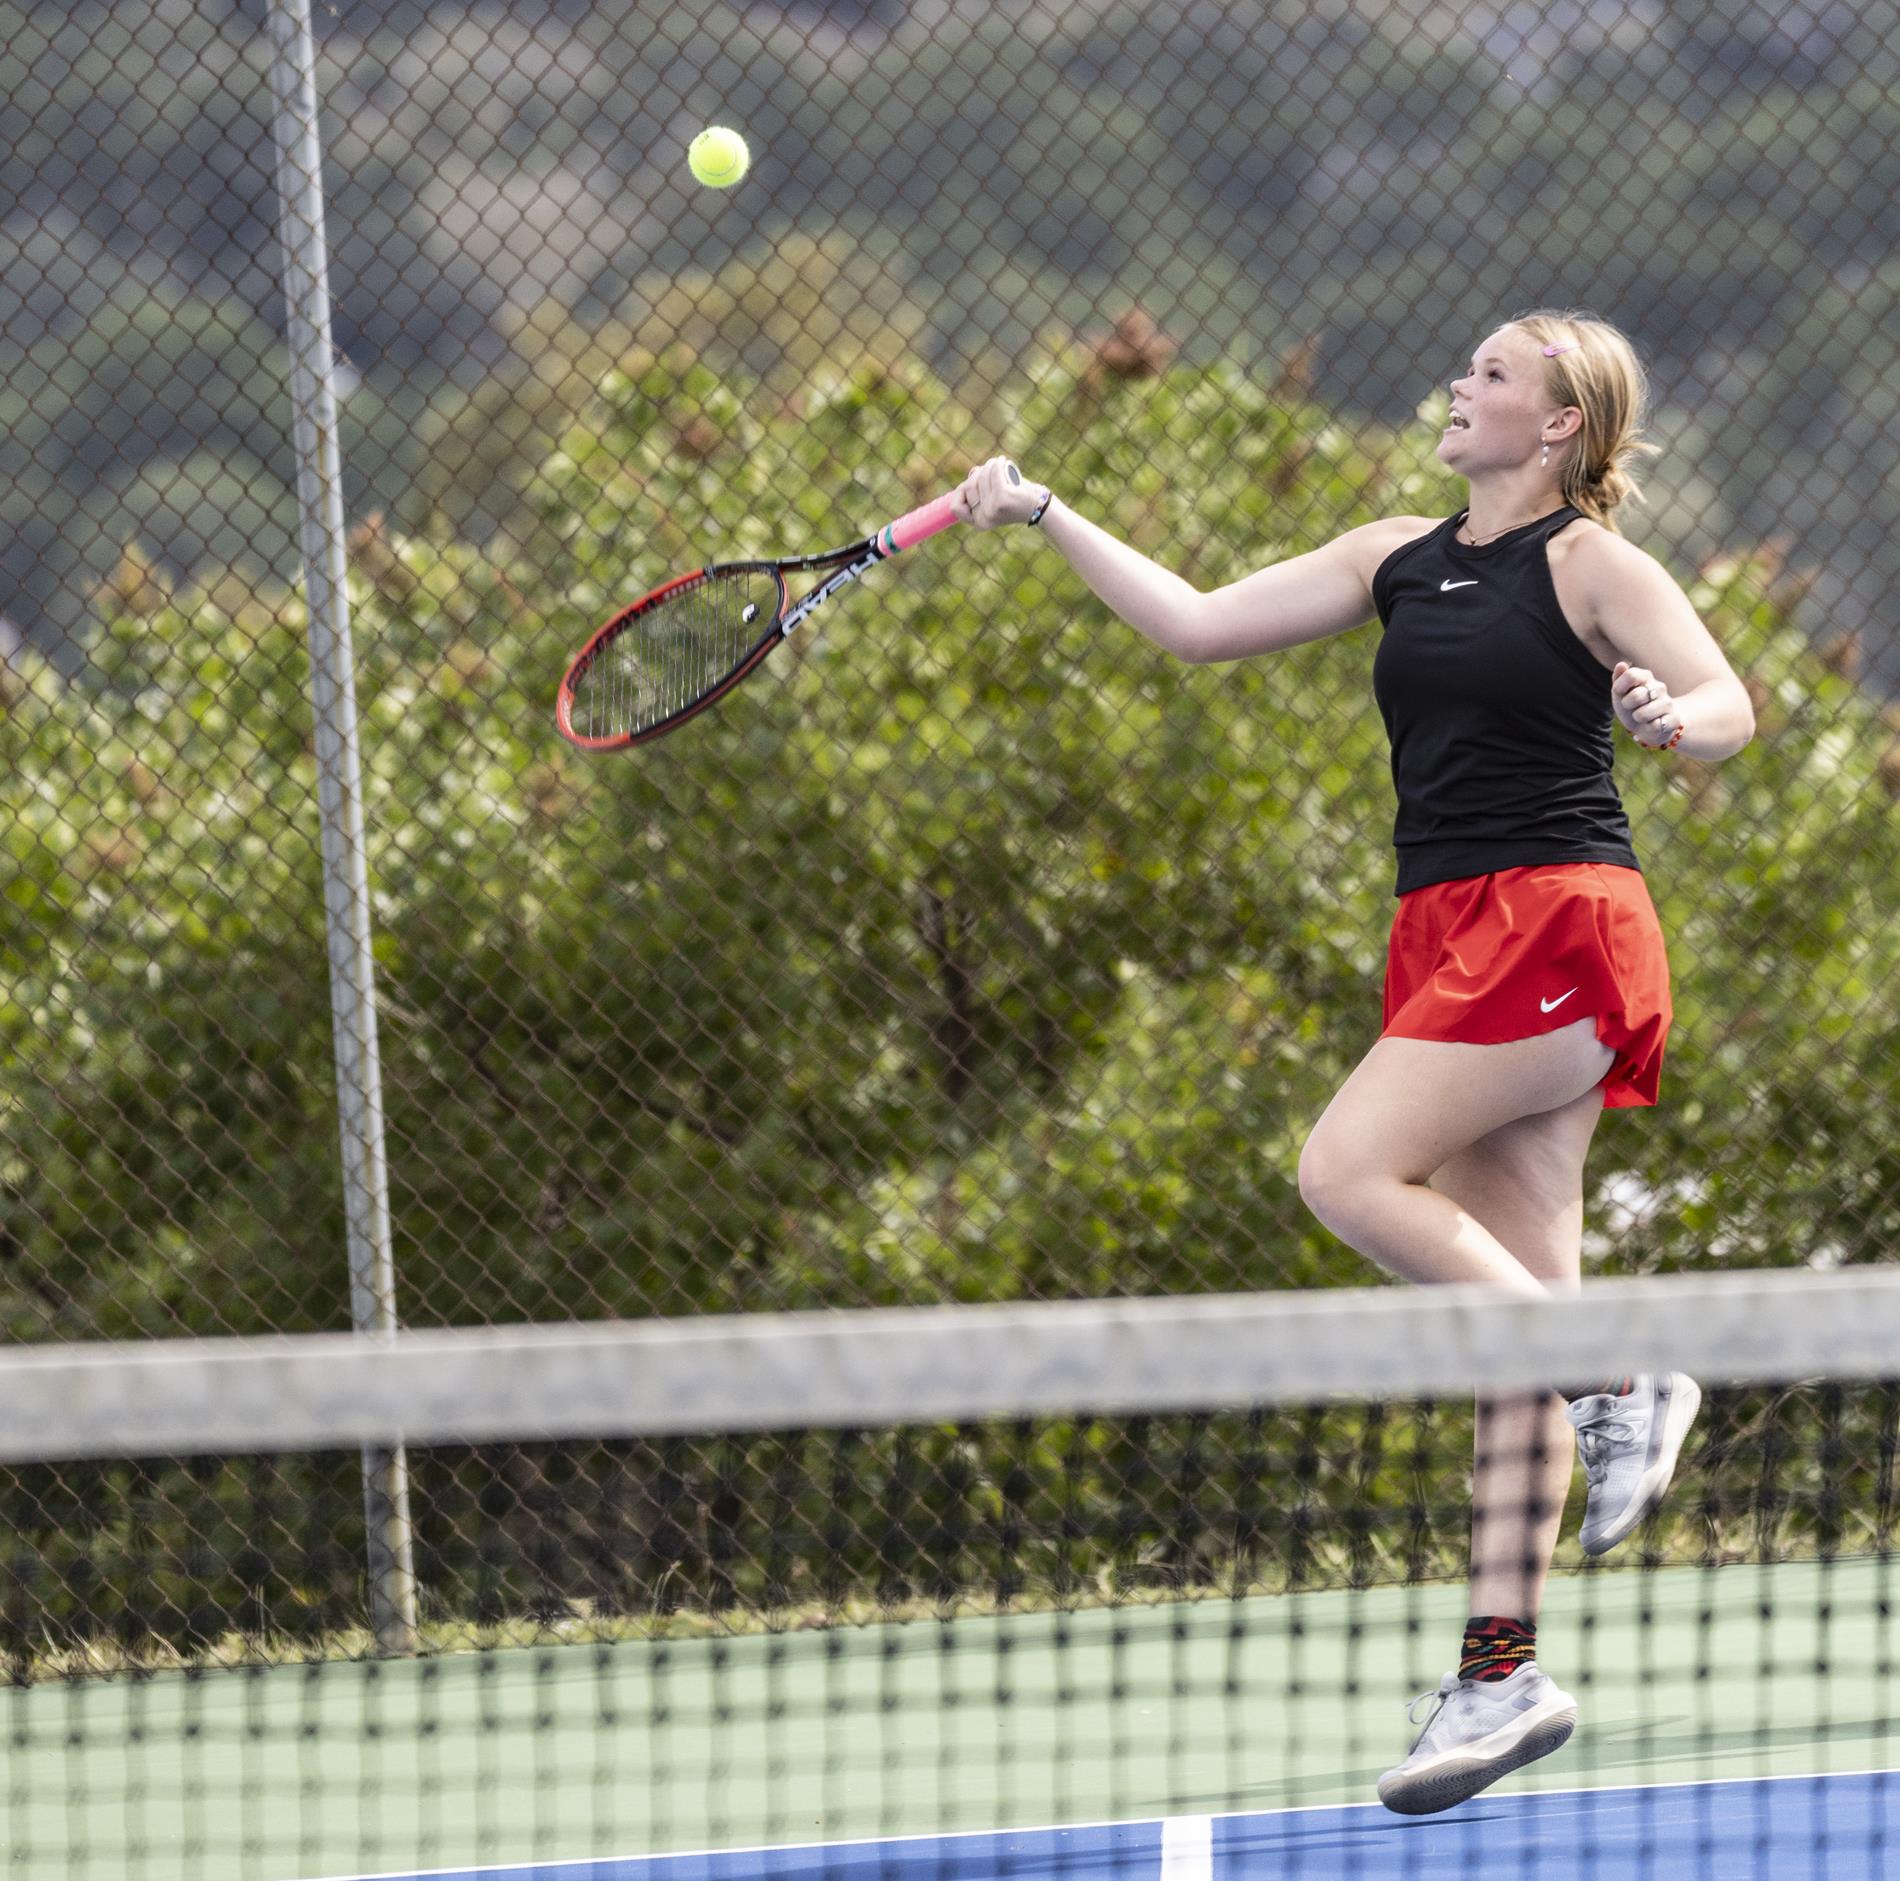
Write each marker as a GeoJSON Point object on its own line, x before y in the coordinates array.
{"type": "Point", "coordinates": [823, 1736]}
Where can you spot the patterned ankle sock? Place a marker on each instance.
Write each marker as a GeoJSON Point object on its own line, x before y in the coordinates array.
{"type": "Point", "coordinates": [1603, 1388]}
{"type": "Point", "coordinates": [1495, 1647]}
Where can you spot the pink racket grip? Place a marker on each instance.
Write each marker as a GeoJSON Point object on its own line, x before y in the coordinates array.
{"type": "Point", "coordinates": [920, 525]}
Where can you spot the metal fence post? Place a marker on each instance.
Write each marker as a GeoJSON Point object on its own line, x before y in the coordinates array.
{"type": "Point", "coordinates": [345, 879]}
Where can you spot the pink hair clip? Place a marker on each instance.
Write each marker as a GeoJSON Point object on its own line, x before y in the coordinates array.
{"type": "Point", "coordinates": [1569, 346]}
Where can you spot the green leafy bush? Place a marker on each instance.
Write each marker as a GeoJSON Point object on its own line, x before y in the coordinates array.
{"type": "Point", "coordinates": [975, 950]}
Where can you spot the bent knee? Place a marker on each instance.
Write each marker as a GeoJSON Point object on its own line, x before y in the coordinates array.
{"type": "Point", "coordinates": [1331, 1177]}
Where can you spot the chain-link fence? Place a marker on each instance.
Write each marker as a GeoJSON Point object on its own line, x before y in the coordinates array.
{"type": "Point", "coordinates": [979, 950]}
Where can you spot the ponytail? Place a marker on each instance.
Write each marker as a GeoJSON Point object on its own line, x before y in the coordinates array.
{"type": "Point", "coordinates": [1593, 366]}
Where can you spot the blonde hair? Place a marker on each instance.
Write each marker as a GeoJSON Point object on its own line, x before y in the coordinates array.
{"type": "Point", "coordinates": [1595, 368]}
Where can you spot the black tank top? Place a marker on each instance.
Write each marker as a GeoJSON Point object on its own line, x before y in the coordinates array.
{"type": "Point", "coordinates": [1499, 716]}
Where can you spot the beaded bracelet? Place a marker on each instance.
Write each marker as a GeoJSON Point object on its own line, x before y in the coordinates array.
{"type": "Point", "coordinates": [1048, 497]}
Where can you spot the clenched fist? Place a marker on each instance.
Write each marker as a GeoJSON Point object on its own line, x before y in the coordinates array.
{"type": "Point", "coordinates": [994, 493]}
{"type": "Point", "coordinates": [1643, 706]}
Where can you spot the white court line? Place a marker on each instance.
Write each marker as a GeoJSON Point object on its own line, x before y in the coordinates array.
{"type": "Point", "coordinates": [922, 1837]}
{"type": "Point", "coordinates": [1168, 1825]}
{"type": "Point", "coordinates": [1187, 1848]}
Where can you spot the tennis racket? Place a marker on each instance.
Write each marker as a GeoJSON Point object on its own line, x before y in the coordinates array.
{"type": "Point", "coordinates": [669, 655]}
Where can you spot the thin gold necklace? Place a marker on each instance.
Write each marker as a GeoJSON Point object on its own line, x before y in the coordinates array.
{"type": "Point", "coordinates": [1478, 542]}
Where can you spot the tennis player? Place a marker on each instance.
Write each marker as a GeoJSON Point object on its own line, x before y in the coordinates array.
{"type": "Point", "coordinates": [1526, 983]}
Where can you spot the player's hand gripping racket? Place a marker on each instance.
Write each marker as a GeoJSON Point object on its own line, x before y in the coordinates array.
{"type": "Point", "coordinates": [672, 653]}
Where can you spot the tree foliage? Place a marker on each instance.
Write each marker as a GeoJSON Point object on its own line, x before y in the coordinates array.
{"type": "Point", "coordinates": [976, 949]}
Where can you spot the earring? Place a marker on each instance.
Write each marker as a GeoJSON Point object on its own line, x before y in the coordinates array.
{"type": "Point", "coordinates": [1544, 461]}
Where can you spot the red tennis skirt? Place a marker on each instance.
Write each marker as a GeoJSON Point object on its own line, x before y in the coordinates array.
{"type": "Point", "coordinates": [1512, 955]}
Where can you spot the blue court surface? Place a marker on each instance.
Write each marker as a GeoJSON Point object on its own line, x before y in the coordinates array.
{"type": "Point", "coordinates": [1827, 1828]}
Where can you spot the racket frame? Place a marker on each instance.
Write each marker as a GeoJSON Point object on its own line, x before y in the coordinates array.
{"type": "Point", "coordinates": [850, 562]}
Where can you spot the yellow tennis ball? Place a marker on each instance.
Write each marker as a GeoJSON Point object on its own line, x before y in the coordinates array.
{"type": "Point", "coordinates": [718, 157]}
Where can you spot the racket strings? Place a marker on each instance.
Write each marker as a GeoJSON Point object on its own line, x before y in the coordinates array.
{"type": "Point", "coordinates": [671, 655]}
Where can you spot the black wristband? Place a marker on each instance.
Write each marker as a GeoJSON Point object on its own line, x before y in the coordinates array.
{"type": "Point", "coordinates": [1048, 497]}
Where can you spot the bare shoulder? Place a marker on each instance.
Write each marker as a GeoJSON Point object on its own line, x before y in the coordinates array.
{"type": "Point", "coordinates": [1597, 555]}
{"type": "Point", "coordinates": [1604, 581]}
{"type": "Point", "coordinates": [1368, 545]}
{"type": "Point", "coordinates": [1596, 570]}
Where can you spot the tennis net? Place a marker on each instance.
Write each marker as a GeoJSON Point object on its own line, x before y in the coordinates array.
{"type": "Point", "coordinates": [1136, 1588]}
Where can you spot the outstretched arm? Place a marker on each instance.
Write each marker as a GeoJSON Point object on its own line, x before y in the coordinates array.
{"type": "Point", "coordinates": [1306, 597]}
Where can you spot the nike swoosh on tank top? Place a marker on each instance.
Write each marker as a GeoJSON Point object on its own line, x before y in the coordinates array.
{"type": "Point", "coordinates": [1499, 716]}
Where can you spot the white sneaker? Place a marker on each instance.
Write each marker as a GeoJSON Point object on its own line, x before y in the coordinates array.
{"type": "Point", "coordinates": [1629, 1447]}
{"type": "Point", "coordinates": [1482, 1730]}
